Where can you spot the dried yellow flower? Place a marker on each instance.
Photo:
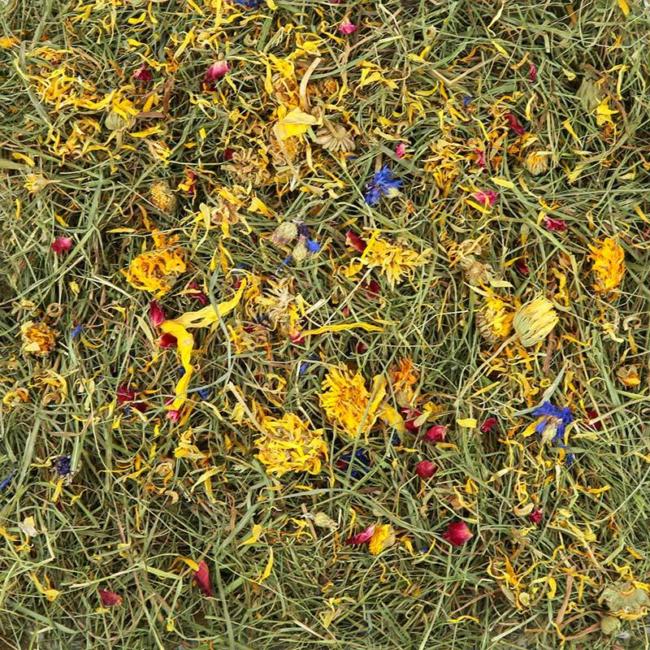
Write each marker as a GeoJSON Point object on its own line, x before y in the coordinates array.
{"type": "Point", "coordinates": [163, 197]}
{"type": "Point", "coordinates": [494, 320]}
{"type": "Point", "coordinates": [394, 260]}
{"type": "Point", "coordinates": [38, 338]}
{"type": "Point", "coordinates": [609, 265]}
{"type": "Point", "coordinates": [347, 402]}
{"type": "Point", "coordinates": [537, 162]}
{"type": "Point", "coordinates": [629, 376]}
{"type": "Point", "coordinates": [534, 321]}
{"type": "Point", "coordinates": [403, 377]}
{"type": "Point", "coordinates": [335, 138]}
{"type": "Point", "coordinates": [156, 270]}
{"type": "Point", "coordinates": [290, 445]}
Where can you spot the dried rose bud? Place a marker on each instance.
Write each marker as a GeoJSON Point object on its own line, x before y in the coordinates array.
{"type": "Point", "coordinates": [436, 433]}
{"type": "Point", "coordinates": [109, 598]}
{"type": "Point", "coordinates": [532, 72]}
{"type": "Point", "coordinates": [410, 417]}
{"type": "Point", "coordinates": [536, 516]}
{"type": "Point", "coordinates": [457, 533]}
{"type": "Point", "coordinates": [400, 150]}
{"type": "Point", "coordinates": [215, 72]}
{"type": "Point", "coordinates": [425, 469]}
{"type": "Point", "coordinates": [61, 245]}
{"type": "Point", "coordinates": [202, 578]}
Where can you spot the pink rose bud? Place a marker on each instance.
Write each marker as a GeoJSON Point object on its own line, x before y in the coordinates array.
{"type": "Point", "coordinates": [347, 28]}
{"type": "Point", "coordinates": [457, 533]}
{"type": "Point", "coordinates": [61, 245]}
{"type": "Point", "coordinates": [436, 433]}
{"type": "Point", "coordinates": [425, 469]}
{"type": "Point", "coordinates": [410, 416]}
{"type": "Point", "coordinates": [215, 72]}
{"type": "Point", "coordinates": [400, 150]}
{"type": "Point", "coordinates": [156, 314]}
{"type": "Point", "coordinates": [536, 516]}
{"type": "Point", "coordinates": [489, 425]}
{"type": "Point", "coordinates": [202, 578]}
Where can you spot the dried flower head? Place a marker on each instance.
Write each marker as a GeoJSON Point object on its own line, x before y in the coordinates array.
{"type": "Point", "coordinates": [335, 138]}
{"type": "Point", "coordinates": [395, 261]}
{"type": "Point", "coordinates": [38, 338]}
{"type": "Point", "coordinates": [494, 320]}
{"type": "Point", "coordinates": [156, 270]}
{"type": "Point", "coordinates": [382, 538]}
{"type": "Point", "coordinates": [534, 321]}
{"type": "Point", "coordinates": [608, 265]}
{"type": "Point", "coordinates": [290, 445]}
{"type": "Point", "coordinates": [163, 197]}
{"type": "Point", "coordinates": [347, 403]}
{"type": "Point", "coordinates": [537, 162]}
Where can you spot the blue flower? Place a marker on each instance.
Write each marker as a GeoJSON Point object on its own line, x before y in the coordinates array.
{"type": "Point", "coordinates": [313, 246]}
{"type": "Point", "coordinates": [62, 465]}
{"type": "Point", "coordinates": [553, 416]}
{"type": "Point", "coordinates": [383, 183]}
{"type": "Point", "coordinates": [76, 331]}
{"type": "Point", "coordinates": [4, 484]}
{"type": "Point", "coordinates": [203, 393]}
{"type": "Point", "coordinates": [249, 4]}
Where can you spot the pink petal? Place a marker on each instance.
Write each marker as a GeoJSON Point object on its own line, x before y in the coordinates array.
{"type": "Point", "coordinates": [514, 124]}
{"type": "Point", "coordinates": [532, 72]}
{"type": "Point", "coordinates": [109, 598]}
{"type": "Point", "coordinates": [410, 416]}
{"type": "Point", "coordinates": [167, 341]}
{"type": "Point", "coordinates": [536, 516]}
{"type": "Point", "coordinates": [215, 72]}
{"type": "Point", "coordinates": [555, 225]}
{"type": "Point", "coordinates": [143, 74]}
{"type": "Point", "coordinates": [400, 150]}
{"type": "Point", "coordinates": [489, 425]}
{"type": "Point", "coordinates": [361, 538]}
{"type": "Point", "coordinates": [61, 245]}
{"type": "Point", "coordinates": [486, 198]}
{"type": "Point", "coordinates": [347, 28]}
{"type": "Point", "coordinates": [202, 578]}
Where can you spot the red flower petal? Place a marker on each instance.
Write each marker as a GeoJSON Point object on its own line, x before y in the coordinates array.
{"type": "Point", "coordinates": [167, 341]}
{"type": "Point", "coordinates": [361, 538]}
{"type": "Point", "coordinates": [486, 197]}
{"type": "Point", "coordinates": [109, 598]}
{"type": "Point", "coordinates": [197, 293]}
{"type": "Point", "coordinates": [353, 240]}
{"type": "Point", "coordinates": [360, 347]}
{"type": "Point", "coordinates": [555, 225]}
{"type": "Point", "coordinates": [347, 28]}
{"type": "Point", "coordinates": [536, 516]}
{"type": "Point", "coordinates": [425, 469]}
{"type": "Point", "coordinates": [125, 394]}
{"type": "Point", "coordinates": [522, 268]}
{"type": "Point", "coordinates": [400, 150]}
{"type": "Point", "coordinates": [61, 245]}
{"type": "Point", "coordinates": [143, 74]}
{"type": "Point", "coordinates": [514, 124]}
{"type": "Point", "coordinates": [436, 433]}
{"type": "Point", "coordinates": [156, 314]}
{"type": "Point", "coordinates": [532, 72]}
{"type": "Point", "coordinates": [489, 425]}
{"type": "Point", "coordinates": [202, 578]}
{"type": "Point", "coordinates": [457, 533]}
{"type": "Point", "coordinates": [480, 158]}
{"type": "Point", "coordinates": [215, 72]}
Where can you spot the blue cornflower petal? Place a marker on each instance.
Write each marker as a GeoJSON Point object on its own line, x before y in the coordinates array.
{"type": "Point", "coordinates": [4, 484]}
{"type": "Point", "coordinates": [313, 246]}
{"type": "Point", "coordinates": [203, 393]}
{"type": "Point", "coordinates": [76, 331]}
{"type": "Point", "coordinates": [382, 184]}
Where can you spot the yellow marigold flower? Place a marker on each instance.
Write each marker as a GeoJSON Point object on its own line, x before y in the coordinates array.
{"type": "Point", "coordinates": [609, 265]}
{"type": "Point", "coordinates": [494, 319]}
{"type": "Point", "coordinates": [347, 403]}
{"type": "Point", "coordinates": [394, 260]}
{"type": "Point", "coordinates": [289, 445]}
{"type": "Point", "coordinates": [629, 376]}
{"type": "Point", "coordinates": [537, 162]}
{"type": "Point", "coordinates": [534, 321]}
{"type": "Point", "coordinates": [157, 269]}
{"type": "Point", "coordinates": [382, 538]}
{"type": "Point", "coordinates": [163, 197]}
{"type": "Point", "coordinates": [38, 338]}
